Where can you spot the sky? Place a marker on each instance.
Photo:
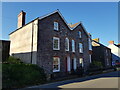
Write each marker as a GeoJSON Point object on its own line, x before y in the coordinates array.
{"type": "Point", "coordinates": [99, 18]}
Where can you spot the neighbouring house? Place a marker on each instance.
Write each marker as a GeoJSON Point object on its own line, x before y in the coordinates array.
{"type": "Point", "coordinates": [51, 43]}
{"type": "Point", "coordinates": [4, 49]}
{"type": "Point", "coordinates": [115, 49]}
{"type": "Point", "coordinates": [101, 53]}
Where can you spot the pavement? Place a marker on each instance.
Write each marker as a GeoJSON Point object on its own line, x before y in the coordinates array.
{"type": "Point", "coordinates": [106, 80]}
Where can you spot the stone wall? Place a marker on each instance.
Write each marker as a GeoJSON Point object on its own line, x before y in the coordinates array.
{"type": "Point", "coordinates": [45, 44]}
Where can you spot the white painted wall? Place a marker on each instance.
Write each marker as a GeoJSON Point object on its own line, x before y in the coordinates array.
{"type": "Point", "coordinates": [114, 49]}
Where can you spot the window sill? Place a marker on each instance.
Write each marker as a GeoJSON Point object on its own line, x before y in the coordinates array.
{"type": "Point", "coordinates": [56, 70]}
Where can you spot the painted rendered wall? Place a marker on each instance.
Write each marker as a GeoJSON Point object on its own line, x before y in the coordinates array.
{"type": "Point", "coordinates": [24, 42]}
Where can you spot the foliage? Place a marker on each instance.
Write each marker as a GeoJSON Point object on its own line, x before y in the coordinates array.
{"type": "Point", "coordinates": [18, 75]}
{"type": "Point", "coordinates": [96, 64]}
{"type": "Point", "coordinates": [13, 60]}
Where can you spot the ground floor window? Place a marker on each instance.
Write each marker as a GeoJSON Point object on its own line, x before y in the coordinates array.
{"type": "Point", "coordinates": [56, 64]}
{"type": "Point", "coordinates": [81, 62]}
{"type": "Point", "coordinates": [107, 61]}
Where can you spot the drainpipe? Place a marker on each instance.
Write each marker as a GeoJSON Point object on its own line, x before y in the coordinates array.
{"type": "Point", "coordinates": [32, 41]}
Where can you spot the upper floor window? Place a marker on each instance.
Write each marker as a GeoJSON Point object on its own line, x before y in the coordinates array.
{"type": "Point", "coordinates": [79, 33]}
{"type": "Point", "coordinates": [90, 44]}
{"type": "Point", "coordinates": [56, 43]}
{"type": "Point", "coordinates": [66, 44]}
{"type": "Point", "coordinates": [80, 47]}
{"type": "Point", "coordinates": [56, 64]}
{"type": "Point", "coordinates": [81, 62]}
{"type": "Point", "coordinates": [56, 26]}
{"type": "Point", "coordinates": [73, 46]}
{"type": "Point", "coordinates": [106, 52]}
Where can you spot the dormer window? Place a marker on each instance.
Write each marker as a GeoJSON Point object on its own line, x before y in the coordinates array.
{"type": "Point", "coordinates": [56, 26]}
{"type": "Point", "coordinates": [79, 33]}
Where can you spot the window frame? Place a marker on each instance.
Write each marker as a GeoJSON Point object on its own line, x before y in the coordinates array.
{"type": "Point", "coordinates": [81, 60]}
{"type": "Point", "coordinates": [67, 42]}
{"type": "Point", "coordinates": [80, 34]}
{"type": "Point", "coordinates": [80, 48]}
{"type": "Point", "coordinates": [90, 44]}
{"type": "Point", "coordinates": [56, 38]}
{"type": "Point", "coordinates": [56, 26]}
{"type": "Point", "coordinates": [58, 65]}
{"type": "Point", "coordinates": [73, 45]}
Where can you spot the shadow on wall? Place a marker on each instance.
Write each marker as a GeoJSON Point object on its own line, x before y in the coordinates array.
{"type": "Point", "coordinates": [27, 57]}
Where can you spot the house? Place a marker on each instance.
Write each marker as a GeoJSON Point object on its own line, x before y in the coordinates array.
{"type": "Point", "coordinates": [101, 53]}
{"type": "Point", "coordinates": [115, 49]}
{"type": "Point", "coordinates": [4, 49]}
{"type": "Point", "coordinates": [51, 43]}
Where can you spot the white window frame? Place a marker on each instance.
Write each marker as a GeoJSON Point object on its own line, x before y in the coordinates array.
{"type": "Point", "coordinates": [75, 63]}
{"type": "Point", "coordinates": [81, 61]}
{"type": "Point", "coordinates": [80, 47]}
{"type": "Point", "coordinates": [58, 64]}
{"type": "Point", "coordinates": [56, 38]}
{"type": "Point", "coordinates": [67, 42]}
{"type": "Point", "coordinates": [73, 45]}
{"type": "Point", "coordinates": [80, 34]}
{"type": "Point", "coordinates": [56, 26]}
{"type": "Point", "coordinates": [90, 44]}
{"type": "Point", "coordinates": [90, 58]}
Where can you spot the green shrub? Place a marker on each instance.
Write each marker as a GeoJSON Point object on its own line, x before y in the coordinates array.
{"type": "Point", "coordinates": [13, 60]}
{"type": "Point", "coordinates": [96, 64]}
{"type": "Point", "coordinates": [19, 75]}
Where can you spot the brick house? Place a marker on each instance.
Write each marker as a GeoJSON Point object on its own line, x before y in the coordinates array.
{"type": "Point", "coordinates": [51, 43]}
{"type": "Point", "coordinates": [101, 53]}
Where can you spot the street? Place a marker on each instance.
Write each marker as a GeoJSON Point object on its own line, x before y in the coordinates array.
{"type": "Point", "coordinates": [107, 80]}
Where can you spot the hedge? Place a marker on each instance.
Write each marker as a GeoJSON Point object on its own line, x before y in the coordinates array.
{"type": "Point", "coordinates": [20, 75]}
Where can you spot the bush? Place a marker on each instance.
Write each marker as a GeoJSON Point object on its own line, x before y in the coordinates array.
{"type": "Point", "coordinates": [96, 64]}
{"type": "Point", "coordinates": [13, 60]}
{"type": "Point", "coordinates": [19, 75]}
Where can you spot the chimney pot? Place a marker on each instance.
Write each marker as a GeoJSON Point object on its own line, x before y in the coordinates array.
{"type": "Point", "coordinates": [111, 42]}
{"type": "Point", "coordinates": [96, 39]}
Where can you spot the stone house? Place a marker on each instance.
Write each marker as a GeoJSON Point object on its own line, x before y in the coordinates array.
{"type": "Point", "coordinates": [101, 53]}
{"type": "Point", "coordinates": [51, 43]}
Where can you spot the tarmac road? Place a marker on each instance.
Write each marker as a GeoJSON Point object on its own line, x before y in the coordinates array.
{"type": "Point", "coordinates": [107, 80]}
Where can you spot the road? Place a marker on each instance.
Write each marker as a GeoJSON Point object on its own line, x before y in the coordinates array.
{"type": "Point", "coordinates": [107, 80]}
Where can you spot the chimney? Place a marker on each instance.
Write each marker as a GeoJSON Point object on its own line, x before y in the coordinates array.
{"type": "Point", "coordinates": [21, 19]}
{"type": "Point", "coordinates": [96, 39]}
{"type": "Point", "coordinates": [111, 42]}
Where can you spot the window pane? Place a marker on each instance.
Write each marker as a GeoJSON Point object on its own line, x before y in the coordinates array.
{"type": "Point", "coordinates": [55, 43]}
{"type": "Point", "coordinates": [56, 64]}
{"type": "Point", "coordinates": [67, 44]}
{"type": "Point", "coordinates": [55, 25]}
{"type": "Point", "coordinates": [73, 46]}
{"type": "Point", "coordinates": [79, 33]}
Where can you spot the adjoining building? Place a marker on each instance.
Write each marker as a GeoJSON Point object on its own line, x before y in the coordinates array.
{"type": "Point", "coordinates": [101, 53]}
{"type": "Point", "coordinates": [51, 43]}
{"type": "Point", "coordinates": [115, 49]}
{"type": "Point", "coordinates": [4, 49]}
